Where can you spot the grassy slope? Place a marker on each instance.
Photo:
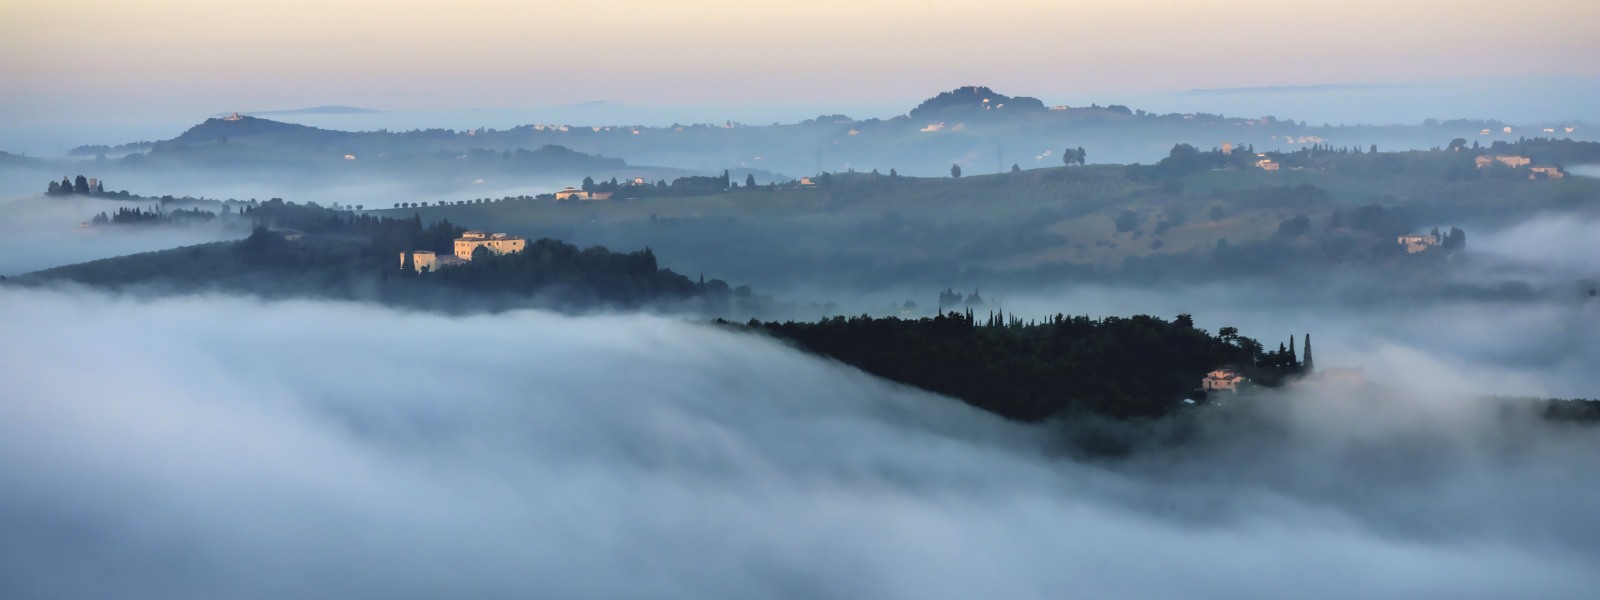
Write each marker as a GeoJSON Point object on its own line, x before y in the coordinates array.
{"type": "Point", "coordinates": [1004, 221]}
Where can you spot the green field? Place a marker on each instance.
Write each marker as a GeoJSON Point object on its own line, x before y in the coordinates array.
{"type": "Point", "coordinates": [875, 228]}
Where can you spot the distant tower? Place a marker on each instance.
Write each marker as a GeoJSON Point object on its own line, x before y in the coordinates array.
{"type": "Point", "coordinates": [1227, 147]}
{"type": "Point", "coordinates": [1308, 365]}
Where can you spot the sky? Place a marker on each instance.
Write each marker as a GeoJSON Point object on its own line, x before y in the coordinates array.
{"type": "Point", "coordinates": [73, 60]}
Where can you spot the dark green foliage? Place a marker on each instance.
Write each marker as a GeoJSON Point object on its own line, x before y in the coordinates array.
{"type": "Point", "coordinates": [1453, 241]}
{"type": "Point", "coordinates": [1183, 160]}
{"type": "Point", "coordinates": [1375, 218]}
{"type": "Point", "coordinates": [1551, 151]}
{"type": "Point", "coordinates": [1127, 220]}
{"type": "Point", "coordinates": [1294, 227]}
{"type": "Point", "coordinates": [79, 186]}
{"type": "Point", "coordinates": [1139, 366]}
{"type": "Point", "coordinates": [348, 255]}
{"type": "Point", "coordinates": [1585, 412]}
{"type": "Point", "coordinates": [974, 102]}
{"type": "Point", "coordinates": [562, 270]}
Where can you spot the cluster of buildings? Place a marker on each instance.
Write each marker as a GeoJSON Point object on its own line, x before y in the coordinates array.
{"type": "Point", "coordinates": [1418, 243]}
{"type": "Point", "coordinates": [571, 193]}
{"type": "Point", "coordinates": [1229, 380]}
{"type": "Point", "coordinates": [1517, 162]}
{"type": "Point", "coordinates": [498, 243]}
{"type": "Point", "coordinates": [1222, 380]}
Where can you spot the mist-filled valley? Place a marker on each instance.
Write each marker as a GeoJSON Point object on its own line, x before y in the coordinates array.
{"type": "Point", "coordinates": [191, 443]}
{"type": "Point", "coordinates": [886, 300]}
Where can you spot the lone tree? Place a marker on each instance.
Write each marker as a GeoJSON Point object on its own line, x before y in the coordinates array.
{"type": "Point", "coordinates": [1073, 156]}
{"type": "Point", "coordinates": [955, 171]}
{"type": "Point", "coordinates": [1305, 359]}
{"type": "Point", "coordinates": [1015, 168]}
{"type": "Point", "coordinates": [750, 180]}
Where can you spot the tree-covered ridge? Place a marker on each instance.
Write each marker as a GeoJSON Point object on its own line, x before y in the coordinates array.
{"type": "Point", "coordinates": [304, 250]}
{"type": "Point", "coordinates": [1140, 366]}
{"type": "Point", "coordinates": [969, 100]}
{"type": "Point", "coordinates": [154, 216]}
{"type": "Point", "coordinates": [255, 142]}
{"type": "Point", "coordinates": [80, 186]}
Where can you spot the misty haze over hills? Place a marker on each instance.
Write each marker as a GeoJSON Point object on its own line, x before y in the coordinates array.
{"type": "Point", "coordinates": [720, 463]}
{"type": "Point", "coordinates": [1519, 100]}
{"type": "Point", "coordinates": [902, 299]}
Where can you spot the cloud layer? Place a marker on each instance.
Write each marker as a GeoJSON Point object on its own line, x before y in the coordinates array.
{"type": "Point", "coordinates": [221, 447]}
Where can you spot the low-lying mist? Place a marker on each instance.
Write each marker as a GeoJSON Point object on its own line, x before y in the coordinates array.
{"type": "Point", "coordinates": [225, 447]}
{"type": "Point", "coordinates": [1468, 345]}
{"type": "Point", "coordinates": [39, 233]}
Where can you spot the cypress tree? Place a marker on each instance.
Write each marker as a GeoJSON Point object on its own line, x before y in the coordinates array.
{"type": "Point", "coordinates": [1309, 367]}
{"type": "Point", "coordinates": [1293, 361]}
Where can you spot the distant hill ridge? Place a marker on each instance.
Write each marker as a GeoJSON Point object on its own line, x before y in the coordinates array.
{"type": "Point", "coordinates": [971, 99]}
{"type": "Point", "coordinates": [240, 126]}
{"type": "Point", "coordinates": [315, 110]}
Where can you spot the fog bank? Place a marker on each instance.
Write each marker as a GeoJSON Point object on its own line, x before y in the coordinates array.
{"type": "Point", "coordinates": [39, 233]}
{"type": "Point", "coordinates": [223, 447]}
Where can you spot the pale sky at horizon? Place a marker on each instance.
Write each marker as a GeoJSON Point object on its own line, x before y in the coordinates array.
{"type": "Point", "coordinates": [161, 58]}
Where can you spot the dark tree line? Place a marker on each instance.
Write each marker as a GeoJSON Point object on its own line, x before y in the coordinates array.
{"type": "Point", "coordinates": [591, 275]}
{"type": "Point", "coordinates": [153, 216]}
{"type": "Point", "coordinates": [692, 185]}
{"type": "Point", "coordinates": [79, 186]}
{"type": "Point", "coordinates": [559, 272]}
{"type": "Point", "coordinates": [1139, 366]}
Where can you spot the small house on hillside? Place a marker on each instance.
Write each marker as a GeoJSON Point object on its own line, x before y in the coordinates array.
{"type": "Point", "coordinates": [1418, 243]}
{"type": "Point", "coordinates": [1547, 172]}
{"type": "Point", "coordinates": [427, 261]}
{"type": "Point", "coordinates": [1507, 160]}
{"type": "Point", "coordinates": [1222, 380]}
{"type": "Point", "coordinates": [574, 193]}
